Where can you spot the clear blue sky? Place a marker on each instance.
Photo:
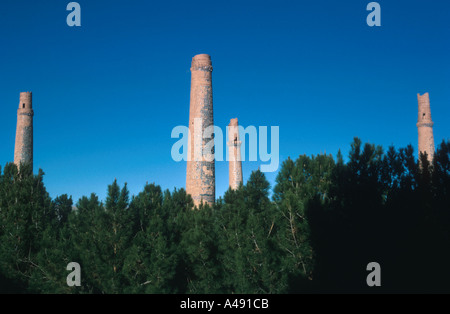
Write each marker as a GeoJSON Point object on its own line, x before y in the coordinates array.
{"type": "Point", "coordinates": [107, 95]}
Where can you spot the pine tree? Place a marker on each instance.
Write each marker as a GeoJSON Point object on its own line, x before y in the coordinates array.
{"type": "Point", "coordinates": [198, 249]}
{"type": "Point", "coordinates": [301, 187]}
{"type": "Point", "coordinates": [25, 215]}
{"type": "Point", "coordinates": [247, 246]}
{"type": "Point", "coordinates": [86, 237]}
{"type": "Point", "coordinates": [56, 252]}
{"type": "Point", "coordinates": [150, 264]}
{"type": "Point", "coordinates": [115, 229]}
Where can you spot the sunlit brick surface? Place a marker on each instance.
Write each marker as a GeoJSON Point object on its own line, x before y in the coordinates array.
{"type": "Point", "coordinates": [200, 174]}
{"type": "Point", "coordinates": [234, 154]}
{"type": "Point", "coordinates": [425, 126]}
{"type": "Point", "coordinates": [23, 152]}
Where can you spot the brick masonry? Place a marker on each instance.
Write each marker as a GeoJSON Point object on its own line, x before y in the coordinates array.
{"type": "Point", "coordinates": [425, 126]}
{"type": "Point", "coordinates": [23, 152]}
{"type": "Point", "coordinates": [200, 174]}
{"type": "Point", "coordinates": [234, 155]}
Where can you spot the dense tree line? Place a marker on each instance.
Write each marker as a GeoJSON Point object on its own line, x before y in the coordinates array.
{"type": "Point", "coordinates": [324, 222]}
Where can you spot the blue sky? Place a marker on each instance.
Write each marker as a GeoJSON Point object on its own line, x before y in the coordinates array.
{"type": "Point", "coordinates": [108, 94]}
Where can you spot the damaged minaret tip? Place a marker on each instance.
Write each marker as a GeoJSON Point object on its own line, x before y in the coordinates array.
{"type": "Point", "coordinates": [234, 155]}
{"type": "Point", "coordinates": [200, 174]}
{"type": "Point", "coordinates": [425, 127]}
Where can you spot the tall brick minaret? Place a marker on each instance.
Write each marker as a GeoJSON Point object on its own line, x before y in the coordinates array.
{"type": "Point", "coordinates": [200, 174]}
{"type": "Point", "coordinates": [425, 126]}
{"type": "Point", "coordinates": [23, 152]}
{"type": "Point", "coordinates": [234, 154]}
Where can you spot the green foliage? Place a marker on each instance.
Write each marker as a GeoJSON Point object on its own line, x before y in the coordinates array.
{"type": "Point", "coordinates": [245, 227]}
{"type": "Point", "coordinates": [300, 185]}
{"type": "Point", "coordinates": [324, 222]}
{"type": "Point", "coordinates": [25, 216]}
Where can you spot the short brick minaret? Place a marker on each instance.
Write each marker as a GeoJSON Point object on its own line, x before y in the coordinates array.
{"type": "Point", "coordinates": [23, 152]}
{"type": "Point", "coordinates": [234, 154]}
{"type": "Point", "coordinates": [425, 126]}
{"type": "Point", "coordinates": [200, 174]}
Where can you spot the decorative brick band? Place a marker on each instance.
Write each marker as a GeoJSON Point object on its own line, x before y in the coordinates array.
{"type": "Point", "coordinates": [234, 143]}
{"type": "Point", "coordinates": [429, 125]}
{"type": "Point", "coordinates": [206, 68]}
{"type": "Point", "coordinates": [30, 114]}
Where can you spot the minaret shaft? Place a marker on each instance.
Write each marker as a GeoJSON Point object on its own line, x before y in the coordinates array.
{"type": "Point", "coordinates": [200, 174]}
{"type": "Point", "coordinates": [234, 155]}
{"type": "Point", "coordinates": [23, 152]}
{"type": "Point", "coordinates": [425, 126]}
